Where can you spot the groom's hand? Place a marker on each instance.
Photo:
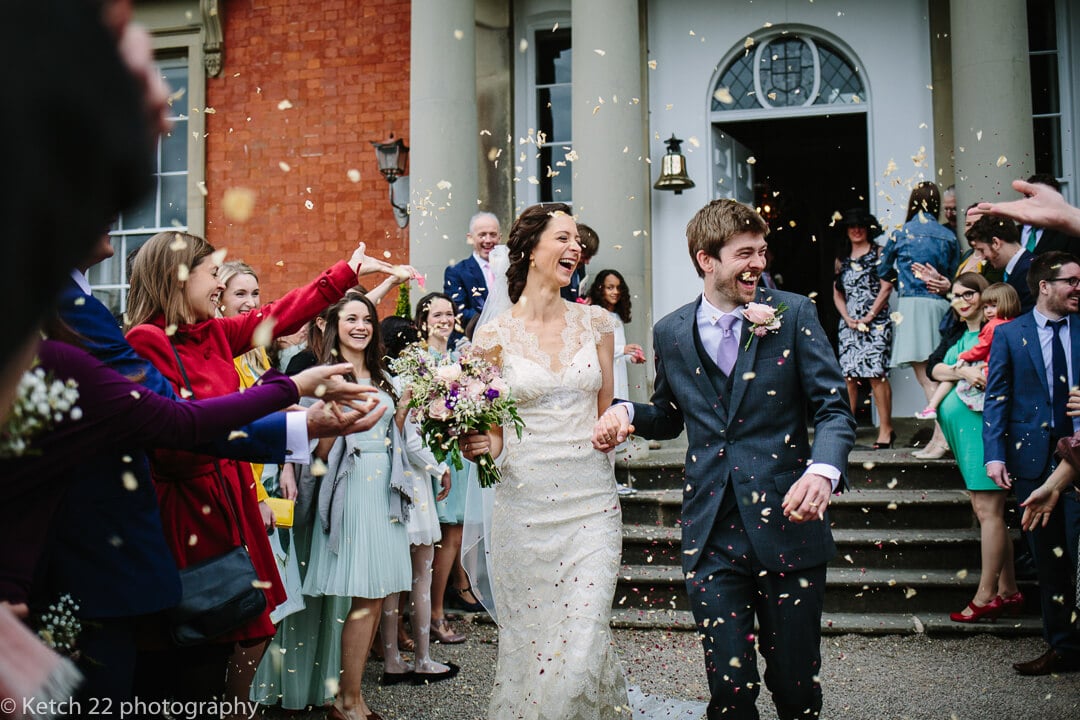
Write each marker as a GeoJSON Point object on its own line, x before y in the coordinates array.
{"type": "Point", "coordinates": [807, 499]}
{"type": "Point", "coordinates": [612, 428]}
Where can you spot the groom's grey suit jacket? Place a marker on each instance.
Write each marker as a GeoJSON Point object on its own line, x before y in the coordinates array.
{"type": "Point", "coordinates": [756, 439]}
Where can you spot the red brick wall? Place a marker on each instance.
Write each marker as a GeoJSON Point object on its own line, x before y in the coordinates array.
{"type": "Point", "coordinates": [344, 67]}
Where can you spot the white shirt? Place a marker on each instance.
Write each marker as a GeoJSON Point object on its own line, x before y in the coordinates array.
{"type": "Point", "coordinates": [485, 267]}
{"type": "Point", "coordinates": [1046, 337]}
{"type": "Point", "coordinates": [1012, 262]}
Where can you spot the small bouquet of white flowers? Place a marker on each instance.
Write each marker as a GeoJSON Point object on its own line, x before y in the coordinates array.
{"type": "Point", "coordinates": [59, 626]}
{"type": "Point", "coordinates": [453, 397]}
{"type": "Point", "coordinates": [41, 401]}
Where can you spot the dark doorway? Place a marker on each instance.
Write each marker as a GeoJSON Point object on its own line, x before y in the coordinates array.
{"type": "Point", "coordinates": [805, 170]}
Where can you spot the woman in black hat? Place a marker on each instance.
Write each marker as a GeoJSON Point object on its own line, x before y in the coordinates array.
{"type": "Point", "coordinates": [862, 299]}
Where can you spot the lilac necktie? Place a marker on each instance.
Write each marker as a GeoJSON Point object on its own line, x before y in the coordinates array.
{"type": "Point", "coordinates": [729, 344]}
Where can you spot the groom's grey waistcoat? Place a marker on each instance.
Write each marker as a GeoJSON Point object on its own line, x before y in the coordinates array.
{"type": "Point", "coordinates": [756, 442]}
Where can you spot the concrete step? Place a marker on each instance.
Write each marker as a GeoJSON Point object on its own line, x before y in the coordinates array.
{"type": "Point", "coordinates": [944, 549]}
{"type": "Point", "coordinates": [926, 509]}
{"type": "Point", "coordinates": [936, 624]}
{"type": "Point", "coordinates": [849, 590]}
{"type": "Point", "coordinates": [663, 469]}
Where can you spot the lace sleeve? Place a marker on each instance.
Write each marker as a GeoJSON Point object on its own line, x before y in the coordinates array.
{"type": "Point", "coordinates": [601, 321]}
{"type": "Point", "coordinates": [486, 337]}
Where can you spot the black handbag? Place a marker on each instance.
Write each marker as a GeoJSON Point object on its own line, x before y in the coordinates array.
{"type": "Point", "coordinates": [220, 594]}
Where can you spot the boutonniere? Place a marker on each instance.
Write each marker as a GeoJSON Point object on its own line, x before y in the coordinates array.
{"type": "Point", "coordinates": [763, 319]}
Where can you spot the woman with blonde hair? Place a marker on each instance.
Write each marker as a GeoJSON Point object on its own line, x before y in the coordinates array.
{"type": "Point", "coordinates": [172, 315]}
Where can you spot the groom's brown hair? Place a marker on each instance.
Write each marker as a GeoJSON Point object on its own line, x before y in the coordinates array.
{"type": "Point", "coordinates": [718, 222]}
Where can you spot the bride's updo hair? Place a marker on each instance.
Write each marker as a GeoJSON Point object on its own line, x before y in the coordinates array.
{"type": "Point", "coordinates": [523, 238]}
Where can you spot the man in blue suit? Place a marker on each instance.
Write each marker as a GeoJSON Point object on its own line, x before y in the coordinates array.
{"type": "Point", "coordinates": [998, 240]}
{"type": "Point", "coordinates": [1034, 361]}
{"type": "Point", "coordinates": [743, 367]}
{"type": "Point", "coordinates": [467, 282]}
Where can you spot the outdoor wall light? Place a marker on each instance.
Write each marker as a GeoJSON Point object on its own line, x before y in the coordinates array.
{"type": "Point", "coordinates": [393, 158]}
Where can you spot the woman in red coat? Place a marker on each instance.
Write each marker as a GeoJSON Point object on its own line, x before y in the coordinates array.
{"type": "Point", "coordinates": [171, 313]}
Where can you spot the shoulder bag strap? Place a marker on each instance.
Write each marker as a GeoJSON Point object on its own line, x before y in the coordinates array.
{"type": "Point", "coordinates": [217, 465]}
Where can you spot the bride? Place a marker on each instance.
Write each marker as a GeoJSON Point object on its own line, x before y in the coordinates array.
{"type": "Point", "coordinates": [556, 526]}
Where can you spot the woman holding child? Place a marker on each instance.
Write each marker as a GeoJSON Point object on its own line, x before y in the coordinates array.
{"type": "Point", "coordinates": [973, 301]}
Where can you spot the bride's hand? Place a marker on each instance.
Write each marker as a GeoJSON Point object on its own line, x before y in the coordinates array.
{"type": "Point", "coordinates": [611, 429]}
{"type": "Point", "coordinates": [475, 444]}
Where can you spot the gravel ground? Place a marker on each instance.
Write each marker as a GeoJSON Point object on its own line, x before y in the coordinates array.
{"type": "Point", "coordinates": [903, 677]}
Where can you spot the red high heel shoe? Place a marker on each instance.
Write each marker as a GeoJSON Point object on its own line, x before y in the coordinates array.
{"type": "Point", "coordinates": [1012, 605]}
{"type": "Point", "coordinates": [991, 611]}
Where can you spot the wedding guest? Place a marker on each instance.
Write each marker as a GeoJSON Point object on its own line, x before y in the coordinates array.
{"type": "Point", "coordinates": [862, 299]}
{"type": "Point", "coordinates": [922, 239]}
{"type": "Point", "coordinates": [1024, 417]}
{"type": "Point", "coordinates": [104, 97]}
{"type": "Point", "coordinates": [1000, 304]}
{"type": "Point", "coordinates": [610, 292]}
{"type": "Point", "coordinates": [997, 591]}
{"type": "Point", "coordinates": [172, 314]}
{"type": "Point", "coordinates": [435, 320]}
{"type": "Point", "coordinates": [421, 469]}
{"type": "Point", "coordinates": [590, 245]}
{"type": "Point", "coordinates": [466, 283]}
{"type": "Point", "coordinates": [360, 544]}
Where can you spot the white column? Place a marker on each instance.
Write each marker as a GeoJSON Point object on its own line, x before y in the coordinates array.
{"type": "Point", "coordinates": [610, 174]}
{"type": "Point", "coordinates": [991, 86]}
{"type": "Point", "coordinates": [443, 134]}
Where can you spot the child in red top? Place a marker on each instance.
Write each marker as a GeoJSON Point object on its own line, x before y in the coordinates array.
{"type": "Point", "coordinates": [1000, 305]}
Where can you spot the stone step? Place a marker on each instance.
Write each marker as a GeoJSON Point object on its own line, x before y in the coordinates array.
{"type": "Point", "coordinates": [663, 469]}
{"type": "Point", "coordinates": [926, 509]}
{"type": "Point", "coordinates": [849, 590]}
{"type": "Point", "coordinates": [935, 624]}
{"type": "Point", "coordinates": [943, 549]}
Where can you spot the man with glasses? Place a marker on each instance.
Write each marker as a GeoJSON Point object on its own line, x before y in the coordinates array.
{"type": "Point", "coordinates": [998, 240]}
{"type": "Point", "coordinates": [1034, 362]}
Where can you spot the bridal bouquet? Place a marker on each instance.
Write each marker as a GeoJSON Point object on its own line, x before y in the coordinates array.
{"type": "Point", "coordinates": [453, 397]}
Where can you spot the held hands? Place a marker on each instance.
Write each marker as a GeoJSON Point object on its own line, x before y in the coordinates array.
{"type": "Point", "coordinates": [807, 499]}
{"type": "Point", "coordinates": [611, 428]}
{"type": "Point", "coordinates": [973, 374]}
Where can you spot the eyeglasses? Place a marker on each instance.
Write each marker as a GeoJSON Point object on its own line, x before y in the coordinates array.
{"type": "Point", "coordinates": [967, 296]}
{"type": "Point", "coordinates": [1072, 282]}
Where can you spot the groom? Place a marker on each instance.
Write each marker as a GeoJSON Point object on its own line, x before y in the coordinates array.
{"type": "Point", "coordinates": [744, 367]}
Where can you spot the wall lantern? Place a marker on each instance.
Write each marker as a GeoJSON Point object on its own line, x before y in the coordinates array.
{"type": "Point", "coordinates": [393, 157]}
{"type": "Point", "coordinates": [673, 169]}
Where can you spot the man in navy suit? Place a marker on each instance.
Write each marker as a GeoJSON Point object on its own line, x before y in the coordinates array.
{"type": "Point", "coordinates": [742, 367]}
{"type": "Point", "coordinates": [467, 282]}
{"type": "Point", "coordinates": [998, 240]}
{"type": "Point", "coordinates": [1034, 361]}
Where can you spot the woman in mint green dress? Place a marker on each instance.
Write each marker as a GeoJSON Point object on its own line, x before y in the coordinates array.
{"type": "Point", "coordinates": [359, 541]}
{"type": "Point", "coordinates": [997, 591]}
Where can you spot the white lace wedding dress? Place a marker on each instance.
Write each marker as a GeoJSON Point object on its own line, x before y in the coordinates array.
{"type": "Point", "coordinates": [556, 532]}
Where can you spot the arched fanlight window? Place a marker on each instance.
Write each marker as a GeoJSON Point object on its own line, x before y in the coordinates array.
{"type": "Point", "coordinates": [787, 71]}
